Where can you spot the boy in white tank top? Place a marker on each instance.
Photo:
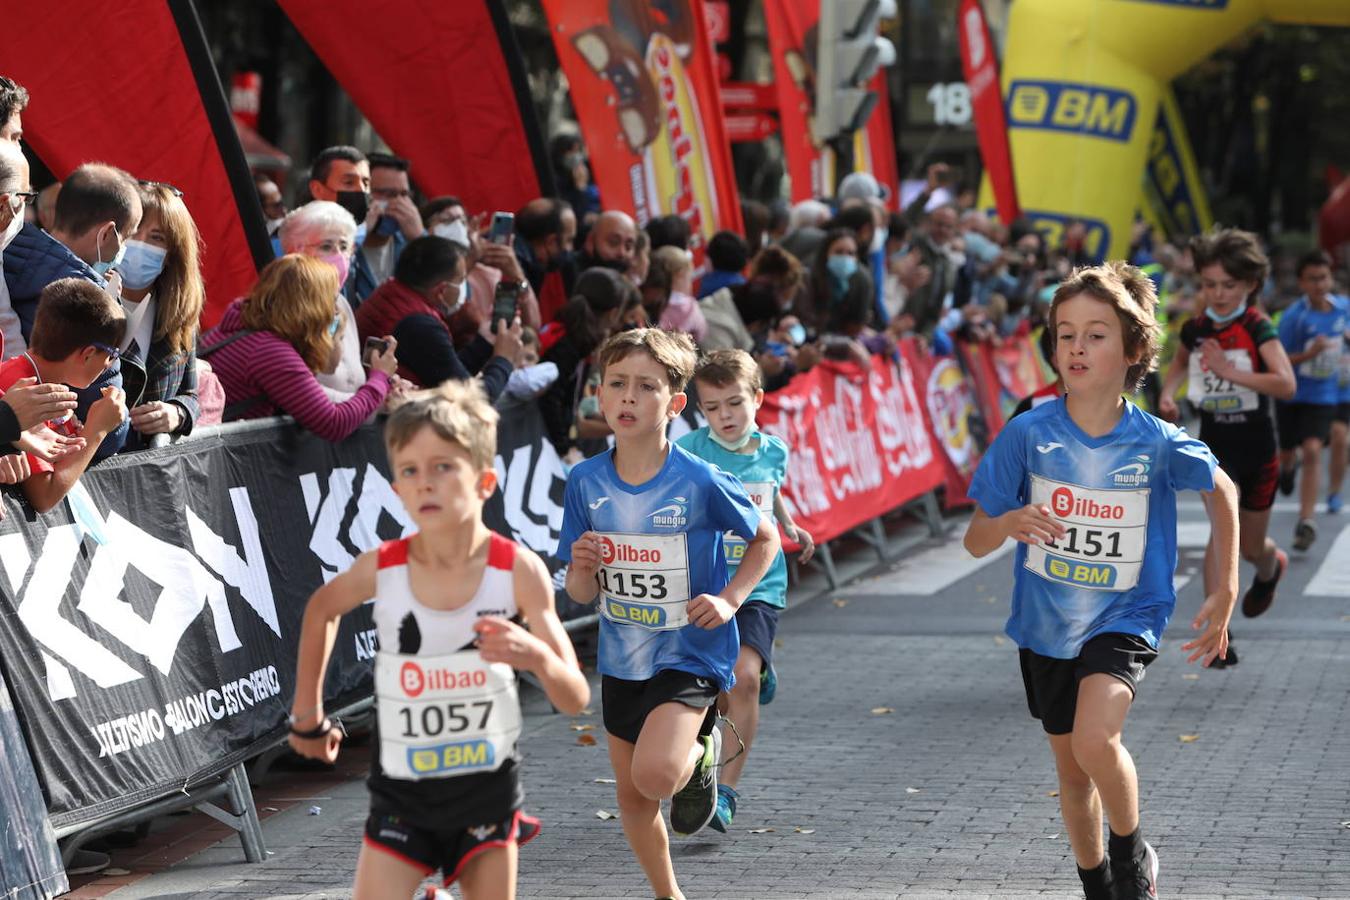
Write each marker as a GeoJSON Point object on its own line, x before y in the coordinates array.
{"type": "Point", "coordinates": [445, 787]}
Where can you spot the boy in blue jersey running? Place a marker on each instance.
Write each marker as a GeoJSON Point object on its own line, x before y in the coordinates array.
{"type": "Point", "coordinates": [643, 526]}
{"type": "Point", "coordinates": [1087, 484]}
{"type": "Point", "coordinates": [1312, 330]}
{"type": "Point", "coordinates": [730, 392]}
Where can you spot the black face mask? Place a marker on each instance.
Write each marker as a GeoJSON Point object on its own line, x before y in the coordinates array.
{"type": "Point", "coordinates": [355, 202]}
{"type": "Point", "coordinates": [564, 259]}
{"type": "Point", "coordinates": [614, 265]}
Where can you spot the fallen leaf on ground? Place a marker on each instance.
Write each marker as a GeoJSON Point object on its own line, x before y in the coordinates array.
{"type": "Point", "coordinates": [605, 814]}
{"type": "Point", "coordinates": [1188, 738]}
{"type": "Point", "coordinates": [1345, 618]}
{"type": "Point", "coordinates": [1000, 640]}
{"type": "Point", "coordinates": [882, 710]}
{"type": "Point", "coordinates": [839, 602]}
{"type": "Point", "coordinates": [114, 870]}
{"type": "Point", "coordinates": [1191, 676]}
{"type": "Point", "coordinates": [586, 711]}
{"type": "Point", "coordinates": [778, 644]}
{"type": "Point", "coordinates": [1345, 824]}
{"type": "Point", "coordinates": [582, 727]}
{"type": "Point", "coordinates": [760, 830]}
{"type": "Point", "coordinates": [801, 830]}
{"type": "Point", "coordinates": [1052, 837]}
{"type": "Point", "coordinates": [911, 790]}
{"type": "Point", "coordinates": [586, 740]}
{"type": "Point", "coordinates": [990, 599]}
{"type": "Point", "coordinates": [605, 781]}
{"type": "Point", "coordinates": [1052, 793]}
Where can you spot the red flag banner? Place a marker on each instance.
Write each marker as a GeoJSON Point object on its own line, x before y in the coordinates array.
{"type": "Point", "coordinates": [979, 364]}
{"type": "Point", "coordinates": [979, 61]}
{"type": "Point", "coordinates": [645, 89]}
{"type": "Point", "coordinates": [881, 160]}
{"type": "Point", "coordinates": [860, 444]}
{"type": "Point", "coordinates": [143, 96]}
{"type": "Point", "coordinates": [444, 85]}
{"type": "Point", "coordinates": [952, 414]}
{"type": "Point", "coordinates": [1017, 370]}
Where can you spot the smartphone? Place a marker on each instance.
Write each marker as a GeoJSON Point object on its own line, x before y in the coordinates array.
{"type": "Point", "coordinates": [777, 348]}
{"type": "Point", "coordinates": [504, 306]}
{"type": "Point", "coordinates": [374, 346]}
{"type": "Point", "coordinates": [503, 226]}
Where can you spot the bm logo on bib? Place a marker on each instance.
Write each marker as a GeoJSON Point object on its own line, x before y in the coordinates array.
{"type": "Point", "coordinates": [1087, 109]}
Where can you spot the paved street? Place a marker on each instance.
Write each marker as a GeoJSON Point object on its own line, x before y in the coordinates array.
{"type": "Point", "coordinates": [899, 761]}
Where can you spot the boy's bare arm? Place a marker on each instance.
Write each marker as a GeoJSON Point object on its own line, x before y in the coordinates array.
{"type": "Point", "coordinates": [792, 529]}
{"type": "Point", "coordinates": [582, 585]}
{"type": "Point", "coordinates": [1029, 524]}
{"type": "Point", "coordinates": [45, 489]}
{"type": "Point", "coordinates": [760, 552]}
{"type": "Point", "coordinates": [1215, 612]}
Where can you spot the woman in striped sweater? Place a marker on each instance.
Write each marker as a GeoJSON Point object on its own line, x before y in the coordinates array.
{"type": "Point", "coordinates": [267, 350]}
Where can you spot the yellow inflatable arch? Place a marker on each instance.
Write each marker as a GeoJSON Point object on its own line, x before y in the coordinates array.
{"type": "Point", "coordinates": [1083, 81]}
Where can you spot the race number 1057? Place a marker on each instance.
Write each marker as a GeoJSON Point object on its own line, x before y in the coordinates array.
{"type": "Point", "coordinates": [451, 718]}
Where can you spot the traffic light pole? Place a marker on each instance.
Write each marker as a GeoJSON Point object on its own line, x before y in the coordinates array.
{"type": "Point", "coordinates": [842, 145]}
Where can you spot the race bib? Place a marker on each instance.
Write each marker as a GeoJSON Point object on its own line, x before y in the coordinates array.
{"type": "Point", "coordinates": [1219, 395]}
{"type": "Point", "coordinates": [444, 716]}
{"type": "Point", "coordinates": [644, 580]}
{"type": "Point", "coordinates": [1325, 364]}
{"type": "Point", "coordinates": [1345, 365]}
{"type": "Point", "coordinates": [1105, 535]}
{"type": "Point", "coordinates": [761, 494]}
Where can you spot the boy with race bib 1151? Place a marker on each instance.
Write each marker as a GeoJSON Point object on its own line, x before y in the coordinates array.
{"type": "Point", "coordinates": [1312, 329]}
{"type": "Point", "coordinates": [730, 392]}
{"type": "Point", "coordinates": [1087, 485]}
{"type": "Point", "coordinates": [1234, 363]}
{"type": "Point", "coordinates": [445, 781]}
{"type": "Point", "coordinates": [643, 526]}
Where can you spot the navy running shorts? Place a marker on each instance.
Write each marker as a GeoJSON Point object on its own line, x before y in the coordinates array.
{"type": "Point", "coordinates": [1052, 684]}
{"type": "Point", "coordinates": [758, 624]}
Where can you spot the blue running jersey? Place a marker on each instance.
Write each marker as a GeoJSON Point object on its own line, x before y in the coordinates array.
{"type": "Point", "coordinates": [661, 547]}
{"type": "Point", "coordinates": [1116, 496]}
{"type": "Point", "coordinates": [1318, 377]}
{"type": "Point", "coordinates": [762, 473]}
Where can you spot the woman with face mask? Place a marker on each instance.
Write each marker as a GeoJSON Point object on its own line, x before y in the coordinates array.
{"type": "Point", "coordinates": [162, 296]}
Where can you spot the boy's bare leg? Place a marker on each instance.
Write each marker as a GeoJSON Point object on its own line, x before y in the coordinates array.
{"type": "Point", "coordinates": [1079, 803]}
{"type": "Point", "coordinates": [742, 708]}
{"type": "Point", "coordinates": [1254, 543]}
{"type": "Point", "coordinates": [491, 875]}
{"type": "Point", "coordinates": [1307, 490]}
{"type": "Point", "coordinates": [642, 824]}
{"type": "Point", "coordinates": [1340, 448]}
{"type": "Point", "coordinates": [379, 875]}
{"type": "Point", "coordinates": [1103, 703]}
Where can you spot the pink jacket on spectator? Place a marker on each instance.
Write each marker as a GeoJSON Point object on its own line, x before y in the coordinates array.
{"type": "Point", "coordinates": [682, 313]}
{"type": "Point", "coordinates": [264, 366]}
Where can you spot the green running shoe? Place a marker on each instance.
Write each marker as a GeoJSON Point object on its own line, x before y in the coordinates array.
{"type": "Point", "coordinates": [768, 684]}
{"type": "Point", "coordinates": [695, 803]}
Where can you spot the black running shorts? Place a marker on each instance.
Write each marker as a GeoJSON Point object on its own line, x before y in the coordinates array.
{"type": "Point", "coordinates": [448, 851]}
{"type": "Point", "coordinates": [1343, 413]}
{"type": "Point", "coordinates": [1052, 684]}
{"type": "Point", "coordinates": [1300, 421]}
{"type": "Point", "coordinates": [1256, 479]}
{"type": "Point", "coordinates": [628, 703]}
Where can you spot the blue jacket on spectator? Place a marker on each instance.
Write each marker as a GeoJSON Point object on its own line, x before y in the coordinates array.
{"type": "Point", "coordinates": [361, 281]}
{"type": "Point", "coordinates": [33, 260]}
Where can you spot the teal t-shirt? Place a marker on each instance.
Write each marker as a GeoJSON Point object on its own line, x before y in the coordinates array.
{"type": "Point", "coordinates": [762, 473]}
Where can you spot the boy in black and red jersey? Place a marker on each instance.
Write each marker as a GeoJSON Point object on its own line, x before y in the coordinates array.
{"type": "Point", "coordinates": [445, 788]}
{"type": "Point", "coordinates": [1232, 355]}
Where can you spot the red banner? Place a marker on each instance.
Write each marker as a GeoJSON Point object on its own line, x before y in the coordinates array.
{"type": "Point", "coordinates": [645, 89]}
{"type": "Point", "coordinates": [952, 414]}
{"type": "Point", "coordinates": [980, 64]}
{"type": "Point", "coordinates": [443, 84]}
{"type": "Point", "coordinates": [860, 446]}
{"type": "Point", "coordinates": [978, 360]}
{"type": "Point", "coordinates": [135, 102]}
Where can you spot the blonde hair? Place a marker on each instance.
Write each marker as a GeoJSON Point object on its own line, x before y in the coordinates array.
{"type": "Point", "coordinates": [457, 411]}
{"type": "Point", "coordinates": [673, 350]}
{"type": "Point", "coordinates": [295, 299]}
{"type": "Point", "coordinates": [671, 260]}
{"type": "Point", "coordinates": [179, 294]}
{"type": "Point", "coordinates": [1131, 294]}
{"type": "Point", "coordinates": [723, 367]}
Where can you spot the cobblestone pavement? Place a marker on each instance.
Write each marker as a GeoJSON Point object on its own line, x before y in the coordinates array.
{"type": "Point", "coordinates": [899, 761]}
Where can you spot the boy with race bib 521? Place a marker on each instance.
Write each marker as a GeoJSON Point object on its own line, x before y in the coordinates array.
{"type": "Point", "coordinates": [643, 526]}
{"type": "Point", "coordinates": [1087, 485]}
{"type": "Point", "coordinates": [445, 788]}
{"type": "Point", "coordinates": [1234, 362]}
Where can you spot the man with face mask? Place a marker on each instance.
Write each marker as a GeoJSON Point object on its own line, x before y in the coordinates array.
{"type": "Point", "coordinates": [97, 211]}
{"type": "Point", "coordinates": [610, 244]}
{"type": "Point", "coordinates": [341, 175]}
{"type": "Point", "coordinates": [416, 305]}
{"type": "Point", "coordinates": [545, 231]}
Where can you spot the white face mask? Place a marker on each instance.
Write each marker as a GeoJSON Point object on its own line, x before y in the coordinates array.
{"type": "Point", "coordinates": [452, 231]}
{"type": "Point", "coordinates": [879, 237]}
{"type": "Point", "coordinates": [15, 225]}
{"type": "Point", "coordinates": [455, 301]}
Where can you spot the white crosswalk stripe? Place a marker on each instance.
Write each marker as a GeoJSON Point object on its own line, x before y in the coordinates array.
{"type": "Point", "coordinates": [1332, 578]}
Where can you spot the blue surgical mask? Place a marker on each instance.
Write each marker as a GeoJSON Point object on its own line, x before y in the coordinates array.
{"type": "Point", "coordinates": [141, 264]}
{"type": "Point", "coordinates": [386, 226]}
{"type": "Point", "coordinates": [1224, 320]}
{"type": "Point", "coordinates": [842, 267]}
{"type": "Point", "coordinates": [103, 267]}
{"type": "Point", "coordinates": [797, 334]}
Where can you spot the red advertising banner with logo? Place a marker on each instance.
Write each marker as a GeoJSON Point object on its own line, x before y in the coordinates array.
{"type": "Point", "coordinates": [811, 167]}
{"type": "Point", "coordinates": [978, 360]}
{"type": "Point", "coordinates": [860, 446]}
{"type": "Point", "coordinates": [952, 415]}
{"type": "Point", "coordinates": [979, 61]}
{"type": "Point", "coordinates": [645, 88]}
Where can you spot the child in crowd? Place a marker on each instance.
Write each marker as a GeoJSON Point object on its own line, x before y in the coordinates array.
{"type": "Point", "coordinates": [730, 392]}
{"type": "Point", "coordinates": [643, 527]}
{"type": "Point", "coordinates": [457, 609]}
{"type": "Point", "coordinates": [77, 329]}
{"type": "Point", "coordinates": [1087, 484]}
{"type": "Point", "coordinates": [1312, 330]}
{"type": "Point", "coordinates": [1231, 355]}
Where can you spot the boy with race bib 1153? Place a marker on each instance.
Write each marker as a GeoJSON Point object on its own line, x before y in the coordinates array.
{"type": "Point", "coordinates": [1234, 362]}
{"type": "Point", "coordinates": [445, 781]}
{"type": "Point", "coordinates": [643, 526]}
{"type": "Point", "coordinates": [730, 393]}
{"type": "Point", "coordinates": [1087, 485]}
{"type": "Point", "coordinates": [1312, 329]}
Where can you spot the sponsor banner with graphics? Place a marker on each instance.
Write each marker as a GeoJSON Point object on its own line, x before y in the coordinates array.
{"type": "Point", "coordinates": [644, 85]}
{"type": "Point", "coordinates": [149, 628]}
{"type": "Point", "coordinates": [979, 61]}
{"type": "Point", "coordinates": [30, 863]}
{"type": "Point", "coordinates": [978, 361]}
{"type": "Point", "coordinates": [952, 415]}
{"type": "Point", "coordinates": [1173, 191]}
{"type": "Point", "coordinates": [860, 446]}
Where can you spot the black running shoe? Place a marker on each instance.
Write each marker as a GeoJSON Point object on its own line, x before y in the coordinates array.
{"type": "Point", "coordinates": [1228, 659]}
{"type": "Point", "coordinates": [1305, 532]}
{"type": "Point", "coordinates": [1138, 881]}
{"type": "Point", "coordinates": [1262, 593]}
{"type": "Point", "coordinates": [695, 803]}
{"type": "Point", "coordinates": [1287, 479]}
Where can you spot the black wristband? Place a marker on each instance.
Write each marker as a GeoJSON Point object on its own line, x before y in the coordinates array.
{"type": "Point", "coordinates": [320, 730]}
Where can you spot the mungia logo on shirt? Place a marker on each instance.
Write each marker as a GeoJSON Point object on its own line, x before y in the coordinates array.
{"type": "Point", "coordinates": [1133, 473]}
{"type": "Point", "coordinates": [672, 515]}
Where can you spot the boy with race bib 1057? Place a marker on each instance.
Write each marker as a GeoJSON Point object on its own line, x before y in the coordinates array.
{"type": "Point", "coordinates": [643, 526]}
{"type": "Point", "coordinates": [1087, 485]}
{"type": "Point", "coordinates": [730, 393]}
{"type": "Point", "coordinates": [445, 788]}
{"type": "Point", "coordinates": [1234, 363]}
